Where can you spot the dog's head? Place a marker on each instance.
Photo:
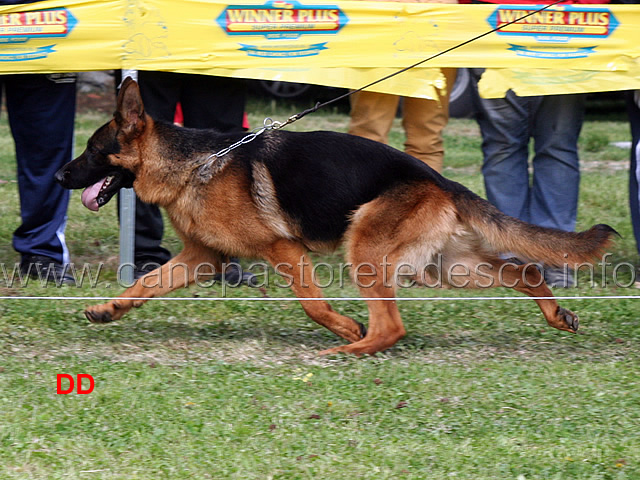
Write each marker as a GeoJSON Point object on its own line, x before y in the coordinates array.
{"type": "Point", "coordinates": [111, 158]}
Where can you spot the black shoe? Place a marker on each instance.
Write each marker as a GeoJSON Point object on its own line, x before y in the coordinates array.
{"type": "Point", "coordinates": [141, 269]}
{"type": "Point", "coordinates": [515, 261]}
{"type": "Point", "coordinates": [557, 278]}
{"type": "Point", "coordinates": [45, 269]}
{"type": "Point", "coordinates": [235, 276]}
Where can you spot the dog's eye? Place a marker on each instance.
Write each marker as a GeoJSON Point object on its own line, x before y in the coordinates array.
{"type": "Point", "coordinates": [97, 151]}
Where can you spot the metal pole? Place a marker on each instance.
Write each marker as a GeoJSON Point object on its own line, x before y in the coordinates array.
{"type": "Point", "coordinates": [127, 235]}
{"type": "Point", "coordinates": [127, 222]}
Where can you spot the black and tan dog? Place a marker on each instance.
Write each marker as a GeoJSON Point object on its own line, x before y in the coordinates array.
{"type": "Point", "coordinates": [286, 193]}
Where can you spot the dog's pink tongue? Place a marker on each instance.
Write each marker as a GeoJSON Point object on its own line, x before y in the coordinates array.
{"type": "Point", "coordinates": [90, 195]}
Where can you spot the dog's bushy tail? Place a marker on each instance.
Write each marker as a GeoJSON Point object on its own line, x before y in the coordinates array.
{"type": "Point", "coordinates": [504, 234]}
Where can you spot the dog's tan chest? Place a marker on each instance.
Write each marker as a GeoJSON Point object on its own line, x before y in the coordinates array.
{"type": "Point", "coordinates": [222, 216]}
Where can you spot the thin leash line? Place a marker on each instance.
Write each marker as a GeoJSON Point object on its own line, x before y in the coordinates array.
{"type": "Point", "coordinates": [270, 124]}
{"type": "Point", "coordinates": [298, 116]}
{"type": "Point", "coordinates": [327, 299]}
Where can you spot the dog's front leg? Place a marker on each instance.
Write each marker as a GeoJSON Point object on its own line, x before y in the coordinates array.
{"type": "Point", "coordinates": [178, 272]}
{"type": "Point", "coordinates": [290, 261]}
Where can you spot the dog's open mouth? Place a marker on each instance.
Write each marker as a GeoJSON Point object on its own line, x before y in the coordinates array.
{"type": "Point", "coordinates": [100, 193]}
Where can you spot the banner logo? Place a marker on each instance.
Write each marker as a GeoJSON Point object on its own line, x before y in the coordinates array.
{"type": "Point", "coordinates": [22, 26]}
{"type": "Point", "coordinates": [280, 21]}
{"type": "Point", "coordinates": [555, 27]}
{"type": "Point", "coordinates": [18, 28]}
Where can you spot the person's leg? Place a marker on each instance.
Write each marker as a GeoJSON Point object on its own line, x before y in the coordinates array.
{"type": "Point", "coordinates": [372, 115]}
{"type": "Point", "coordinates": [556, 171]}
{"type": "Point", "coordinates": [41, 111]}
{"type": "Point", "coordinates": [504, 124]}
{"type": "Point", "coordinates": [423, 122]}
{"type": "Point", "coordinates": [556, 167]}
{"type": "Point", "coordinates": [160, 92]}
{"type": "Point", "coordinates": [633, 108]}
{"type": "Point", "coordinates": [213, 102]}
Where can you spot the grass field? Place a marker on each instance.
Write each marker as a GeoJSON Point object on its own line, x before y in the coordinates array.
{"type": "Point", "coordinates": [479, 389]}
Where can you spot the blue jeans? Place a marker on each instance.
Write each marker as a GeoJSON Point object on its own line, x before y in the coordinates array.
{"type": "Point", "coordinates": [554, 122]}
{"type": "Point", "coordinates": [634, 170]}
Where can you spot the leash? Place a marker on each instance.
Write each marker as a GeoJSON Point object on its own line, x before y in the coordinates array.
{"type": "Point", "coordinates": [270, 124]}
{"type": "Point", "coordinates": [319, 105]}
{"type": "Point", "coordinates": [204, 166]}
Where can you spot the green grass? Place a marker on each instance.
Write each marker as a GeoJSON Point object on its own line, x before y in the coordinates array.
{"type": "Point", "coordinates": [234, 390]}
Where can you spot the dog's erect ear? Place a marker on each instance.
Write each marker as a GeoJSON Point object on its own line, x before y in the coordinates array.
{"type": "Point", "coordinates": [130, 110]}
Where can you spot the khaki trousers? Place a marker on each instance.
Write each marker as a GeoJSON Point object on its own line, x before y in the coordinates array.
{"type": "Point", "coordinates": [423, 120]}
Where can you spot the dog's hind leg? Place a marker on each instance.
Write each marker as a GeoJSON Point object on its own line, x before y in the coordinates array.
{"type": "Point", "coordinates": [385, 324]}
{"type": "Point", "coordinates": [176, 273]}
{"type": "Point", "coordinates": [290, 260]}
{"type": "Point", "coordinates": [406, 227]}
{"type": "Point", "coordinates": [527, 279]}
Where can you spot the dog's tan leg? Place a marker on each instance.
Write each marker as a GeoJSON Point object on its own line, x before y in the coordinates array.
{"type": "Point", "coordinates": [406, 227]}
{"type": "Point", "coordinates": [290, 260]}
{"type": "Point", "coordinates": [177, 273]}
{"type": "Point", "coordinates": [528, 280]}
{"type": "Point", "coordinates": [385, 324]}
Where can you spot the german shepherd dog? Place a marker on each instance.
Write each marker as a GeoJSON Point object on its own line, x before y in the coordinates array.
{"type": "Point", "coordinates": [287, 193]}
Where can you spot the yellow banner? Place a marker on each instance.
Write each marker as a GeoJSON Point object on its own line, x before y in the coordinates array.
{"type": "Point", "coordinates": [344, 43]}
{"type": "Point", "coordinates": [61, 36]}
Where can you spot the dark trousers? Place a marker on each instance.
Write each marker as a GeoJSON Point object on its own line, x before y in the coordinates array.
{"type": "Point", "coordinates": [207, 102]}
{"type": "Point", "coordinates": [41, 110]}
{"type": "Point", "coordinates": [634, 170]}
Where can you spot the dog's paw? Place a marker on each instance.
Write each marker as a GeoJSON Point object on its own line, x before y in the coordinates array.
{"type": "Point", "coordinates": [569, 318]}
{"type": "Point", "coordinates": [344, 349]}
{"type": "Point", "coordinates": [105, 313]}
{"type": "Point", "coordinates": [98, 316]}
